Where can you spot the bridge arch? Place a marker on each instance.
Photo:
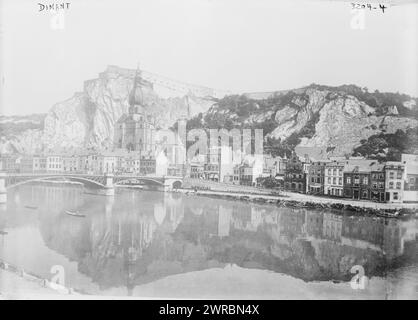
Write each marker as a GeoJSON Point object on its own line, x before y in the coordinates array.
{"type": "Point", "coordinates": [83, 180]}
{"type": "Point", "coordinates": [173, 183]}
{"type": "Point", "coordinates": [177, 184]}
{"type": "Point", "coordinates": [119, 181]}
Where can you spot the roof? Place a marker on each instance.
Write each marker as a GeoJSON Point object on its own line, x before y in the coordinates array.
{"type": "Point", "coordinates": [361, 165]}
{"type": "Point", "coordinates": [313, 153]}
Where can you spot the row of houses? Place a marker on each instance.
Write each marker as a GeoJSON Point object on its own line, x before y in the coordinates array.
{"type": "Point", "coordinates": [355, 178]}
{"type": "Point", "coordinates": [306, 171]}
{"type": "Point", "coordinates": [106, 162]}
{"type": "Point", "coordinates": [311, 171]}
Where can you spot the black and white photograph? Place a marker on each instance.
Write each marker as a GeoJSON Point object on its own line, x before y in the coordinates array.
{"type": "Point", "coordinates": [208, 150]}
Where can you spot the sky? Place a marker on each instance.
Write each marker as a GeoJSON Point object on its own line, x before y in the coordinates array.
{"type": "Point", "coordinates": [236, 45]}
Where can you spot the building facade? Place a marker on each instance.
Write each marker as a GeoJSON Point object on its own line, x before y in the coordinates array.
{"type": "Point", "coordinates": [357, 181]}
{"type": "Point", "coordinates": [295, 177]}
{"type": "Point", "coordinates": [377, 183]}
{"type": "Point", "coordinates": [394, 182]}
{"type": "Point", "coordinates": [316, 176]}
{"type": "Point", "coordinates": [333, 179]}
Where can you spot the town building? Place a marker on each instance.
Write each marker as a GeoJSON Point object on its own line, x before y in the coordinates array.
{"type": "Point", "coordinates": [70, 163]}
{"type": "Point", "coordinates": [10, 163]}
{"type": "Point", "coordinates": [196, 170]}
{"type": "Point", "coordinates": [147, 165]}
{"type": "Point", "coordinates": [316, 176]}
{"type": "Point", "coordinates": [107, 162]}
{"type": "Point", "coordinates": [177, 170]}
{"type": "Point", "coordinates": [333, 178]}
{"type": "Point", "coordinates": [27, 164]}
{"type": "Point", "coordinates": [53, 163]}
{"type": "Point", "coordinates": [394, 181]}
{"type": "Point", "coordinates": [377, 182]}
{"type": "Point", "coordinates": [357, 176]}
{"type": "Point", "coordinates": [296, 174]}
{"type": "Point", "coordinates": [218, 163]}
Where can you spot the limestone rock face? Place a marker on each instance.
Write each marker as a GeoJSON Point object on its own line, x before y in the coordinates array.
{"type": "Point", "coordinates": [87, 119]}
{"type": "Point", "coordinates": [336, 118]}
{"type": "Point", "coordinates": [66, 124]}
{"type": "Point", "coordinates": [21, 133]}
{"type": "Point", "coordinates": [345, 121]}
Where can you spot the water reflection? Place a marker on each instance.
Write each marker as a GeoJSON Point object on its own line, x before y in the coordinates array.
{"type": "Point", "coordinates": [139, 236]}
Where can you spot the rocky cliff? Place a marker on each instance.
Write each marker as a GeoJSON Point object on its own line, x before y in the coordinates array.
{"type": "Point", "coordinates": [337, 118]}
{"type": "Point", "coordinates": [86, 120]}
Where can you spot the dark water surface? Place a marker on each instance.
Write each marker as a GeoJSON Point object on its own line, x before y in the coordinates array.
{"type": "Point", "coordinates": [172, 245]}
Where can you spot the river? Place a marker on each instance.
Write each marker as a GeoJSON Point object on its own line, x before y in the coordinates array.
{"type": "Point", "coordinates": [168, 245]}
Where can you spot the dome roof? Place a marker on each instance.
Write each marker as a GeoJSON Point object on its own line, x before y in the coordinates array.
{"type": "Point", "coordinates": [136, 96]}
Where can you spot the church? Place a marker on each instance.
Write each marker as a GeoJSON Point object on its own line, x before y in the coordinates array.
{"type": "Point", "coordinates": [135, 131]}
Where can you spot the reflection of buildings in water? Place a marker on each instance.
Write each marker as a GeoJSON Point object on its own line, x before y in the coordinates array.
{"type": "Point", "coordinates": [159, 213]}
{"type": "Point", "coordinates": [55, 196]}
{"type": "Point", "coordinates": [224, 220]}
{"type": "Point", "coordinates": [17, 198]}
{"type": "Point", "coordinates": [364, 233]}
{"type": "Point", "coordinates": [393, 238]}
{"type": "Point", "coordinates": [332, 226]}
{"type": "Point", "coordinates": [256, 217]}
{"type": "Point", "coordinates": [314, 224]}
{"type": "Point", "coordinates": [292, 223]}
{"type": "Point", "coordinates": [241, 218]}
{"type": "Point", "coordinates": [174, 211]}
{"type": "Point", "coordinates": [124, 245]}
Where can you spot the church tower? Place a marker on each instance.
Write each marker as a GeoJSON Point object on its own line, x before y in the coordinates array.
{"type": "Point", "coordinates": [135, 130]}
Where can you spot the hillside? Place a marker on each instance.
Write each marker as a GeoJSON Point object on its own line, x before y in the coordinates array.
{"type": "Point", "coordinates": [338, 118]}
{"type": "Point", "coordinates": [86, 120]}
{"type": "Point", "coordinates": [345, 119]}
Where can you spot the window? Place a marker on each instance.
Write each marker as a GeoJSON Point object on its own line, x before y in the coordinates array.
{"type": "Point", "coordinates": [399, 175]}
{"type": "Point", "coordinates": [329, 171]}
{"type": "Point", "coordinates": [391, 184]}
{"type": "Point", "coordinates": [398, 185]}
{"type": "Point", "coordinates": [365, 194]}
{"type": "Point", "coordinates": [391, 175]}
{"type": "Point", "coordinates": [349, 180]}
{"type": "Point", "coordinates": [340, 181]}
{"type": "Point", "coordinates": [381, 185]}
{"type": "Point", "coordinates": [374, 185]}
{"type": "Point", "coordinates": [395, 196]}
{"type": "Point", "coordinates": [329, 180]}
{"type": "Point", "coordinates": [365, 180]}
{"type": "Point", "coordinates": [334, 180]}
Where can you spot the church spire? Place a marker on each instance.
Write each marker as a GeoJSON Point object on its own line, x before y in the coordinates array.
{"type": "Point", "coordinates": [136, 97]}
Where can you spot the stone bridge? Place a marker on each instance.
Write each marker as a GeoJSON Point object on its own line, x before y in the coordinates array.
{"type": "Point", "coordinates": [106, 182]}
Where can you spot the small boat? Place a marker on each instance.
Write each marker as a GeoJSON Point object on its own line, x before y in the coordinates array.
{"type": "Point", "coordinates": [75, 214]}
{"type": "Point", "coordinates": [3, 233]}
{"type": "Point", "coordinates": [31, 207]}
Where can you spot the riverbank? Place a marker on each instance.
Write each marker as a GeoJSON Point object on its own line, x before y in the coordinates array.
{"type": "Point", "coordinates": [16, 284]}
{"type": "Point", "coordinates": [297, 200]}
